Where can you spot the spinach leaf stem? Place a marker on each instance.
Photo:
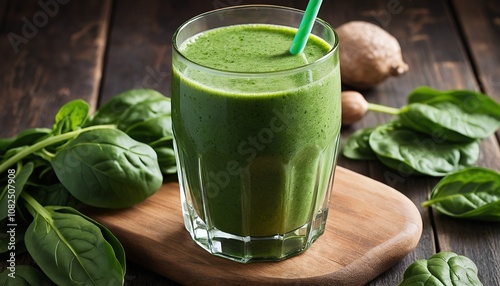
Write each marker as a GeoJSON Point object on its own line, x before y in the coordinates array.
{"type": "Point", "coordinates": [383, 108]}
{"type": "Point", "coordinates": [35, 207]}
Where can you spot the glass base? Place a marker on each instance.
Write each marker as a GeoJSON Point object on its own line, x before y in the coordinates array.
{"type": "Point", "coordinates": [245, 249]}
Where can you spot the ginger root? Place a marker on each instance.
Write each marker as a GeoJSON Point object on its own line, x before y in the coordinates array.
{"type": "Point", "coordinates": [354, 107]}
{"type": "Point", "coordinates": [368, 55]}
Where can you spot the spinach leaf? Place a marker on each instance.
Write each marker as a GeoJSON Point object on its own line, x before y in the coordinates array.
{"type": "Point", "coordinates": [13, 188]}
{"type": "Point", "coordinates": [166, 156]}
{"type": "Point", "coordinates": [166, 160]}
{"type": "Point", "coordinates": [118, 249]}
{"type": "Point", "coordinates": [71, 116]}
{"type": "Point", "coordinates": [150, 129]}
{"type": "Point", "coordinates": [448, 121]}
{"type": "Point", "coordinates": [401, 148]}
{"type": "Point", "coordinates": [469, 193]}
{"type": "Point", "coordinates": [143, 114]}
{"type": "Point", "coordinates": [357, 146]}
{"type": "Point", "coordinates": [72, 250]}
{"type": "Point", "coordinates": [467, 100]}
{"type": "Point", "coordinates": [444, 268]}
{"type": "Point", "coordinates": [106, 168]}
{"type": "Point", "coordinates": [24, 275]}
{"type": "Point", "coordinates": [114, 109]}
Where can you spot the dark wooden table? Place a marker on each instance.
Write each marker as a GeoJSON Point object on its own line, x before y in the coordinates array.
{"type": "Point", "coordinates": [52, 51]}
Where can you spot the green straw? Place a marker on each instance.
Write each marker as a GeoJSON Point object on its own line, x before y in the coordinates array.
{"type": "Point", "coordinates": [300, 40]}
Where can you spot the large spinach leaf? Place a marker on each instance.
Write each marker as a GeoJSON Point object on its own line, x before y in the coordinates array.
{"type": "Point", "coordinates": [143, 114]}
{"type": "Point", "coordinates": [107, 168]}
{"type": "Point", "coordinates": [406, 150]}
{"type": "Point", "coordinates": [72, 250]}
{"type": "Point", "coordinates": [442, 269]}
{"type": "Point", "coordinates": [467, 100]}
{"type": "Point", "coordinates": [448, 121]}
{"type": "Point", "coordinates": [118, 249]}
{"type": "Point", "coordinates": [469, 193]}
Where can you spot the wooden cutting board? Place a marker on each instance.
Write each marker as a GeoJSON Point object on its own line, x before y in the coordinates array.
{"type": "Point", "coordinates": [370, 227]}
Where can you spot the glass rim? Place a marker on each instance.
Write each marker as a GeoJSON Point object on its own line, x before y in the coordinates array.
{"type": "Point", "coordinates": [333, 49]}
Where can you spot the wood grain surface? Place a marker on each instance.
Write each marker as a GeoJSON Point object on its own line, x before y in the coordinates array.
{"type": "Point", "coordinates": [370, 227]}
{"type": "Point", "coordinates": [94, 49]}
{"type": "Point", "coordinates": [480, 22]}
{"type": "Point", "coordinates": [48, 61]}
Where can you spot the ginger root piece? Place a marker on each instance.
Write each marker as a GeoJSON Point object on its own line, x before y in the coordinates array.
{"type": "Point", "coordinates": [354, 107]}
{"type": "Point", "coordinates": [368, 55]}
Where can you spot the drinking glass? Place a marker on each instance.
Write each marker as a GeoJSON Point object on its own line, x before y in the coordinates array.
{"type": "Point", "coordinates": [256, 151]}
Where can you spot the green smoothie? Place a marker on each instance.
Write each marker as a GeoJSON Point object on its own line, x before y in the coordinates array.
{"type": "Point", "coordinates": [256, 131]}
